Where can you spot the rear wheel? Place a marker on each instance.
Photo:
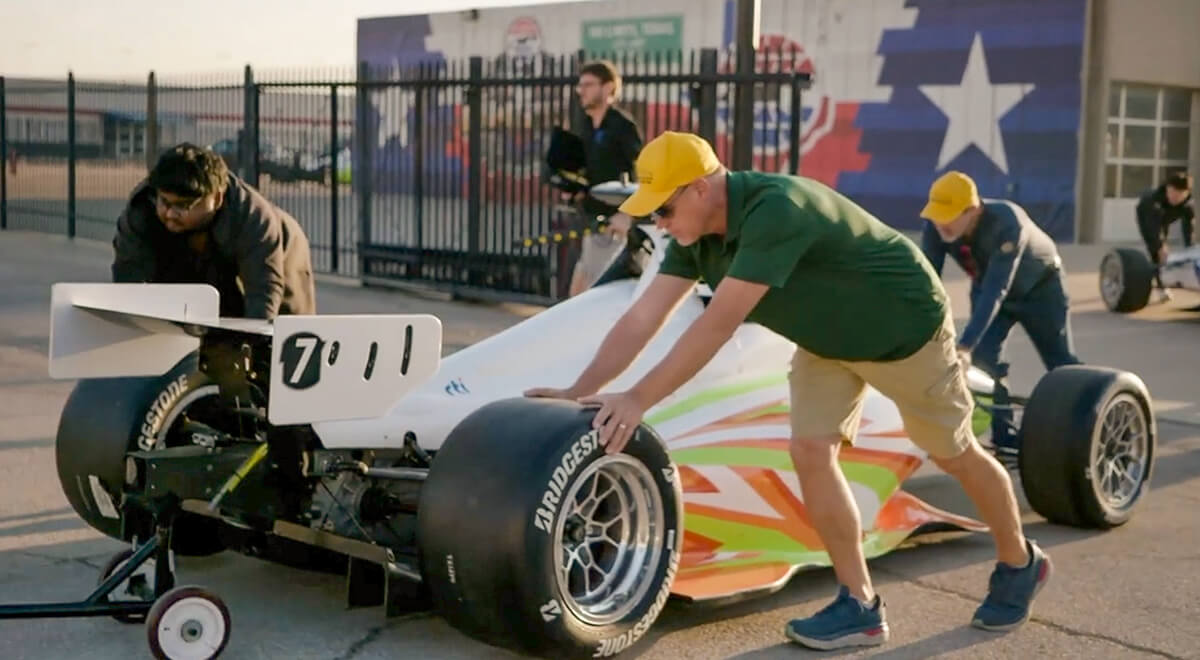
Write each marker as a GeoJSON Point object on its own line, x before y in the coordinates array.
{"type": "Point", "coordinates": [105, 418]}
{"type": "Point", "coordinates": [1126, 279]}
{"type": "Point", "coordinates": [533, 538]}
{"type": "Point", "coordinates": [1088, 440]}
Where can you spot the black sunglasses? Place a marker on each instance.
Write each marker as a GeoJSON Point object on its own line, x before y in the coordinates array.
{"type": "Point", "coordinates": [668, 207]}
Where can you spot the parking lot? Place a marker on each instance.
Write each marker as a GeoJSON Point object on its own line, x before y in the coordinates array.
{"type": "Point", "coordinates": [1126, 593]}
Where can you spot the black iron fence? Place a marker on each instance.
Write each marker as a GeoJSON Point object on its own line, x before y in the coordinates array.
{"type": "Point", "coordinates": [429, 173]}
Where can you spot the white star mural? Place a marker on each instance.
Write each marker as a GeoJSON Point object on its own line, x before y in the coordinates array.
{"type": "Point", "coordinates": [975, 107]}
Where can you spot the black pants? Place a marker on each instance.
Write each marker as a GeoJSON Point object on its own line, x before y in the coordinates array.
{"type": "Point", "coordinates": [1044, 313]}
{"type": "Point", "coordinates": [1153, 238]}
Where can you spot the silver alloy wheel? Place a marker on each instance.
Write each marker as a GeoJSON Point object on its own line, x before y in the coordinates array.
{"type": "Point", "coordinates": [1120, 452]}
{"type": "Point", "coordinates": [608, 539]}
{"type": "Point", "coordinates": [1112, 279]}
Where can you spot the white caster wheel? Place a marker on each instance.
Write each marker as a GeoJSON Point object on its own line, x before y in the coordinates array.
{"type": "Point", "coordinates": [188, 623]}
{"type": "Point", "coordinates": [139, 585]}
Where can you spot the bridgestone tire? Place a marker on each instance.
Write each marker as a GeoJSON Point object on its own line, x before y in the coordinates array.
{"type": "Point", "coordinates": [103, 419]}
{"type": "Point", "coordinates": [1063, 424]}
{"type": "Point", "coordinates": [497, 495]}
{"type": "Point", "coordinates": [1132, 291]}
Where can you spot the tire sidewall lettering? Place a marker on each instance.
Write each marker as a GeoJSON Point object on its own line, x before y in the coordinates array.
{"type": "Point", "coordinates": [614, 645]}
{"type": "Point", "coordinates": [160, 407]}
{"type": "Point", "coordinates": [576, 456]}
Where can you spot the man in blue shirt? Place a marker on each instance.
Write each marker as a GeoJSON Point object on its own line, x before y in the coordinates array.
{"type": "Point", "coordinates": [1016, 277]}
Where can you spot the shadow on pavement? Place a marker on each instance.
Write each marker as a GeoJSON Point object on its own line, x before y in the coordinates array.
{"type": "Point", "coordinates": [947, 642]}
{"type": "Point", "coordinates": [36, 443]}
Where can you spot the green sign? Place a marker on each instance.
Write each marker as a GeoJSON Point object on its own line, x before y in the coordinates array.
{"type": "Point", "coordinates": [642, 34]}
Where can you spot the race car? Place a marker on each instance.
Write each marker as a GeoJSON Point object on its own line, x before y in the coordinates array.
{"type": "Point", "coordinates": [439, 483]}
{"type": "Point", "coordinates": [1127, 276]}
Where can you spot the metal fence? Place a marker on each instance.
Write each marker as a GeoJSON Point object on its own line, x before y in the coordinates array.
{"type": "Point", "coordinates": [428, 173]}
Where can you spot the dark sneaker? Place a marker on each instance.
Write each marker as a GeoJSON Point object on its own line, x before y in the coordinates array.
{"type": "Point", "coordinates": [1011, 591]}
{"type": "Point", "coordinates": [844, 622]}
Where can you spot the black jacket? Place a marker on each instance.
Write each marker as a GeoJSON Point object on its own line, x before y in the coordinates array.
{"type": "Point", "coordinates": [1007, 257]}
{"type": "Point", "coordinates": [611, 150]}
{"type": "Point", "coordinates": [254, 253]}
{"type": "Point", "coordinates": [1155, 216]}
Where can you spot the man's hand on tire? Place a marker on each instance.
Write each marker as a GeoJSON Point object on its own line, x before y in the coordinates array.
{"type": "Point", "coordinates": [619, 416]}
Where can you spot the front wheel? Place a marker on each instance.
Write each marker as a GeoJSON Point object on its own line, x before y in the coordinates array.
{"type": "Point", "coordinates": [1088, 440]}
{"type": "Point", "coordinates": [533, 538]}
{"type": "Point", "coordinates": [1126, 279]}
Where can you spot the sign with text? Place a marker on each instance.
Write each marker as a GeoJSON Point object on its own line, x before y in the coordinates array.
{"type": "Point", "coordinates": [644, 34]}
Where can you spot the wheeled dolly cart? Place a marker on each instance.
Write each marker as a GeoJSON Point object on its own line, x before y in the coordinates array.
{"type": "Point", "coordinates": [181, 621]}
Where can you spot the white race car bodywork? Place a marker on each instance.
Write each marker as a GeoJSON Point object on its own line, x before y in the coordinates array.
{"type": "Point", "coordinates": [1182, 269]}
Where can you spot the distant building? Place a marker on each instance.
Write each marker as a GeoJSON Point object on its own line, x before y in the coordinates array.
{"type": "Point", "coordinates": [111, 120]}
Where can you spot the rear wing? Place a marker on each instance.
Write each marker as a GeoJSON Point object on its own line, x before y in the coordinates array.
{"type": "Point", "coordinates": [323, 367]}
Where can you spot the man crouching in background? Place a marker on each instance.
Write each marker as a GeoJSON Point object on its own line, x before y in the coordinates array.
{"type": "Point", "coordinates": [193, 221]}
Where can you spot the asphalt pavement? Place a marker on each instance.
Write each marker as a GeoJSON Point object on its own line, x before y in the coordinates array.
{"type": "Point", "coordinates": [1125, 593]}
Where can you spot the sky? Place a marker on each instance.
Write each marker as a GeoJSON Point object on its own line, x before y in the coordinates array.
{"type": "Point", "coordinates": [125, 39]}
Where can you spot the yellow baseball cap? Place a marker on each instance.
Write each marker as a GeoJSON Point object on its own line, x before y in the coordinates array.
{"type": "Point", "coordinates": [667, 162]}
{"type": "Point", "coordinates": [949, 196]}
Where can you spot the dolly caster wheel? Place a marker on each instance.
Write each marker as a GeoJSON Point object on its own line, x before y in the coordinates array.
{"type": "Point", "coordinates": [138, 585]}
{"type": "Point", "coordinates": [188, 623]}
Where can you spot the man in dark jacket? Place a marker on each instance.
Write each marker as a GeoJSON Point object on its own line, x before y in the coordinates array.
{"type": "Point", "coordinates": [1157, 209]}
{"type": "Point", "coordinates": [1016, 277]}
{"type": "Point", "coordinates": [193, 221]}
{"type": "Point", "coordinates": [612, 141]}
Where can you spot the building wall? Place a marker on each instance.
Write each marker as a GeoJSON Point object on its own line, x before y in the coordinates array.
{"type": "Point", "coordinates": [1141, 125]}
{"type": "Point", "coordinates": [904, 90]}
{"type": "Point", "coordinates": [1154, 41]}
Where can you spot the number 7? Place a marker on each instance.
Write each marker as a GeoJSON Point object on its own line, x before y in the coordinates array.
{"type": "Point", "coordinates": [307, 344]}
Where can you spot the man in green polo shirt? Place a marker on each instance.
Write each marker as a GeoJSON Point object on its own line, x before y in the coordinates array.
{"type": "Point", "coordinates": [862, 305]}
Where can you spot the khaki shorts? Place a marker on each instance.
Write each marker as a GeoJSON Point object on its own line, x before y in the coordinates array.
{"type": "Point", "coordinates": [928, 387]}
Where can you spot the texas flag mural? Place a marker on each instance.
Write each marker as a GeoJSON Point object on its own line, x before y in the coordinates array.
{"type": "Point", "coordinates": [989, 88]}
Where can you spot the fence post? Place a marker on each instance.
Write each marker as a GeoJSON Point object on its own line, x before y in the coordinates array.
{"type": "Point", "coordinates": [475, 151]}
{"type": "Point", "coordinates": [151, 121]}
{"type": "Point", "coordinates": [3, 157]}
{"type": "Point", "coordinates": [249, 145]}
{"type": "Point", "coordinates": [256, 133]}
{"type": "Point", "coordinates": [796, 126]}
{"type": "Point", "coordinates": [577, 116]}
{"type": "Point", "coordinates": [71, 154]}
{"type": "Point", "coordinates": [334, 243]}
{"type": "Point", "coordinates": [748, 12]}
{"type": "Point", "coordinates": [418, 141]}
{"type": "Point", "coordinates": [708, 95]}
{"type": "Point", "coordinates": [363, 171]}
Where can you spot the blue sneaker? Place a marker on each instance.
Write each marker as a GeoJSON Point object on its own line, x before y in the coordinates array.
{"type": "Point", "coordinates": [844, 622]}
{"type": "Point", "coordinates": [1011, 591]}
